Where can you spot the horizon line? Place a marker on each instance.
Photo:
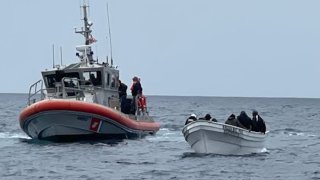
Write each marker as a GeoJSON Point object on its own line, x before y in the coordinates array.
{"type": "Point", "coordinates": [216, 96]}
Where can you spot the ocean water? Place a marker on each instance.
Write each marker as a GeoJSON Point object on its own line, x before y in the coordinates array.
{"type": "Point", "coordinates": [292, 147]}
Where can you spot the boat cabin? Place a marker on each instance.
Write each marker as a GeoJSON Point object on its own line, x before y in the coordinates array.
{"type": "Point", "coordinates": [86, 80]}
{"type": "Point", "coordinates": [68, 82]}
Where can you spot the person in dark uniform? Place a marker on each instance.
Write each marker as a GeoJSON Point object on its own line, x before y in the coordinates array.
{"type": "Point", "coordinates": [245, 120]}
{"type": "Point", "coordinates": [190, 119]}
{"type": "Point", "coordinates": [258, 123]}
{"type": "Point", "coordinates": [136, 92]}
{"type": "Point", "coordinates": [122, 95]}
{"type": "Point", "coordinates": [122, 89]}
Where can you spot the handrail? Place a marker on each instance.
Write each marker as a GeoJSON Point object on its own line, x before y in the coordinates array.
{"type": "Point", "coordinates": [36, 91]}
{"type": "Point", "coordinates": [78, 89]}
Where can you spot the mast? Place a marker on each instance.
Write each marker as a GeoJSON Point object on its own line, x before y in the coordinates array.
{"type": "Point", "coordinates": [87, 54]}
{"type": "Point", "coordinates": [85, 30]}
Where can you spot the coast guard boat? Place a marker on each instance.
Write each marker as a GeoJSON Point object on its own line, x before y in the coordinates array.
{"type": "Point", "coordinates": [218, 138]}
{"type": "Point", "coordinates": [81, 101]}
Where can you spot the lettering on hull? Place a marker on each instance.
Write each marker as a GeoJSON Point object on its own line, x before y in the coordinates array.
{"type": "Point", "coordinates": [232, 130]}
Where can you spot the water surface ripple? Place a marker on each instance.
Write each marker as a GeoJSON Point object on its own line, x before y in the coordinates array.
{"type": "Point", "coordinates": [292, 146]}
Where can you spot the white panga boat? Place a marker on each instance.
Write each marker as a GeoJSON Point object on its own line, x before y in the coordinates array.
{"type": "Point", "coordinates": [81, 101]}
{"type": "Point", "coordinates": [219, 138]}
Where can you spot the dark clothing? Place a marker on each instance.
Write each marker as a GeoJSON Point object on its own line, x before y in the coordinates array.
{"type": "Point", "coordinates": [125, 105]}
{"type": "Point", "coordinates": [261, 126]}
{"type": "Point", "coordinates": [122, 90]}
{"type": "Point", "coordinates": [214, 120]}
{"type": "Point", "coordinates": [233, 121]}
{"type": "Point", "coordinates": [123, 102]}
{"type": "Point", "coordinates": [123, 97]}
{"type": "Point", "coordinates": [254, 124]}
{"type": "Point", "coordinates": [136, 89]}
{"type": "Point", "coordinates": [190, 119]}
{"type": "Point", "coordinates": [208, 118]}
{"type": "Point", "coordinates": [245, 120]}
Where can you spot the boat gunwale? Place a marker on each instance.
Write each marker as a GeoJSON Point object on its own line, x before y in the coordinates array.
{"type": "Point", "coordinates": [219, 125]}
{"type": "Point", "coordinates": [86, 107]}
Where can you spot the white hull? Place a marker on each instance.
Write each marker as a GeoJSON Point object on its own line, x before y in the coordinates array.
{"type": "Point", "coordinates": [218, 138]}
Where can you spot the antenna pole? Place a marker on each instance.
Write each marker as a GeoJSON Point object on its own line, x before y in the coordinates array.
{"type": "Point", "coordinates": [86, 25]}
{"type": "Point", "coordinates": [61, 54]}
{"type": "Point", "coordinates": [89, 8]}
{"type": "Point", "coordinates": [53, 56]}
{"type": "Point", "coordinates": [80, 9]}
{"type": "Point", "coordinates": [109, 34]}
{"type": "Point", "coordinates": [85, 31]}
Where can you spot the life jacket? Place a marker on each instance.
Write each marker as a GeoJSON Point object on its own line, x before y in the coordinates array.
{"type": "Point", "coordinates": [142, 102]}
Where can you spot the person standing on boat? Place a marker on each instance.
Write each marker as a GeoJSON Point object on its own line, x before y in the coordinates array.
{"type": "Point", "coordinates": [122, 95]}
{"type": "Point", "coordinates": [136, 91]}
{"type": "Point", "coordinates": [258, 123]}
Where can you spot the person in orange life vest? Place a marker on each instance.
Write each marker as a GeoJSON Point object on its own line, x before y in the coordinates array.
{"type": "Point", "coordinates": [136, 91]}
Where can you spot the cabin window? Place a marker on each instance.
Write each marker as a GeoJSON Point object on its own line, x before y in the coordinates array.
{"type": "Point", "coordinates": [113, 81]}
{"type": "Point", "coordinates": [50, 79]}
{"type": "Point", "coordinates": [73, 83]}
{"type": "Point", "coordinates": [108, 80]}
{"type": "Point", "coordinates": [93, 76]}
{"type": "Point", "coordinates": [57, 77]}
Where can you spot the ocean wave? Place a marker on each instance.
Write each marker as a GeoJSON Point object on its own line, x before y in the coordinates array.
{"type": "Point", "coordinates": [263, 152]}
{"type": "Point", "coordinates": [173, 127]}
{"type": "Point", "coordinates": [292, 132]}
{"type": "Point", "coordinates": [135, 163]}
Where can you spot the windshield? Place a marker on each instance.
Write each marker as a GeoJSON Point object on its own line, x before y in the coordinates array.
{"type": "Point", "coordinates": [53, 78]}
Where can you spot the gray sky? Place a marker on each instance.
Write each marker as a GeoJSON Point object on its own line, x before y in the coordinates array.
{"type": "Point", "coordinates": [183, 47]}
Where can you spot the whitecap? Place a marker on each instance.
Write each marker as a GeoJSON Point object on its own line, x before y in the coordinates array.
{"type": "Point", "coordinates": [6, 135]}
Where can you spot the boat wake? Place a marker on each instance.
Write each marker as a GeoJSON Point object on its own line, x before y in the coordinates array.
{"type": "Point", "coordinates": [165, 134]}
{"type": "Point", "coordinates": [6, 135]}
